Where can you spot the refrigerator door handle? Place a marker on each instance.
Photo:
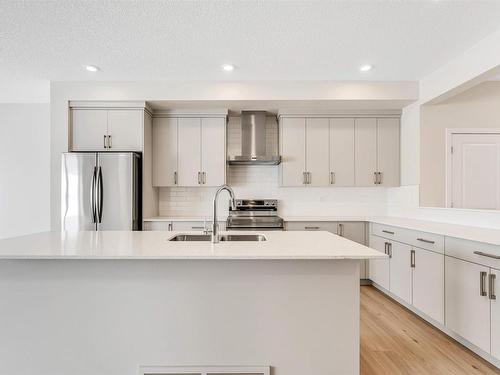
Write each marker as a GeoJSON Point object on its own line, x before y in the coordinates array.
{"type": "Point", "coordinates": [99, 195]}
{"type": "Point", "coordinates": [93, 196]}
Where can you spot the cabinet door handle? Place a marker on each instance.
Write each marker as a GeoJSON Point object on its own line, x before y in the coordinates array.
{"type": "Point", "coordinates": [199, 178]}
{"type": "Point", "coordinates": [426, 241]}
{"type": "Point", "coordinates": [105, 142]}
{"type": "Point", "coordinates": [332, 178]}
{"type": "Point", "coordinates": [204, 177]}
{"type": "Point", "coordinates": [340, 229]}
{"type": "Point", "coordinates": [110, 141]}
{"type": "Point", "coordinates": [487, 255]}
{"type": "Point", "coordinates": [375, 178]}
{"type": "Point", "coordinates": [308, 178]}
{"type": "Point", "coordinates": [175, 178]}
{"type": "Point", "coordinates": [380, 177]}
{"type": "Point", "coordinates": [170, 227]}
{"type": "Point", "coordinates": [412, 258]}
{"type": "Point", "coordinates": [482, 283]}
{"type": "Point", "coordinates": [304, 178]}
{"type": "Point", "coordinates": [492, 286]}
{"type": "Point", "coordinates": [388, 232]}
{"type": "Point", "coordinates": [311, 228]}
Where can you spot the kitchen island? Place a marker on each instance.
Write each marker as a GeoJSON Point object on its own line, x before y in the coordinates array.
{"type": "Point", "coordinates": [117, 302]}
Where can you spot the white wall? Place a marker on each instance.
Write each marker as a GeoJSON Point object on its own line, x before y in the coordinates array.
{"type": "Point", "coordinates": [24, 168]}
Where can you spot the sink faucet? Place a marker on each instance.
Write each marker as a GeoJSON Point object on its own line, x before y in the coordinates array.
{"type": "Point", "coordinates": [215, 224]}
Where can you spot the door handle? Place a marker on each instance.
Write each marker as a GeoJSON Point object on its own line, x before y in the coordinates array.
{"type": "Point", "coordinates": [380, 177]}
{"type": "Point", "coordinates": [309, 178]}
{"type": "Point", "coordinates": [332, 178]}
{"type": "Point", "coordinates": [491, 286]}
{"type": "Point", "coordinates": [375, 178]}
{"type": "Point", "coordinates": [93, 196]}
{"type": "Point", "coordinates": [340, 229]}
{"type": "Point", "coordinates": [199, 178]}
{"type": "Point", "coordinates": [203, 178]}
{"type": "Point", "coordinates": [386, 248]}
{"type": "Point", "coordinates": [110, 142]}
{"type": "Point", "coordinates": [170, 227]}
{"type": "Point", "coordinates": [304, 178]}
{"type": "Point", "coordinates": [389, 248]}
{"type": "Point", "coordinates": [175, 178]}
{"type": "Point", "coordinates": [99, 196]}
{"type": "Point", "coordinates": [412, 258]}
{"type": "Point", "coordinates": [482, 283]}
{"type": "Point", "coordinates": [105, 142]}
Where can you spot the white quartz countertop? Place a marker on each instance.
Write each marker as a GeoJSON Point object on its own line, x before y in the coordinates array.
{"type": "Point", "coordinates": [156, 245]}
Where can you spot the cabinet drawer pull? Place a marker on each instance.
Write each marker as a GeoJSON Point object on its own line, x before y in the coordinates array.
{"type": "Point", "coordinates": [492, 286]}
{"type": "Point", "coordinates": [388, 232]}
{"type": "Point", "coordinates": [412, 258]}
{"type": "Point", "coordinates": [426, 241]}
{"type": "Point", "coordinates": [487, 255]}
{"type": "Point", "coordinates": [203, 228]}
{"type": "Point", "coordinates": [311, 228]}
{"type": "Point", "coordinates": [482, 284]}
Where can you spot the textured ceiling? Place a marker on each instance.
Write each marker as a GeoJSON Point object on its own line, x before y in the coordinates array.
{"type": "Point", "coordinates": [266, 40]}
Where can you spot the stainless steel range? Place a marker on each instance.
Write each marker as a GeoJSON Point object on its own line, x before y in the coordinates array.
{"type": "Point", "coordinates": [255, 214]}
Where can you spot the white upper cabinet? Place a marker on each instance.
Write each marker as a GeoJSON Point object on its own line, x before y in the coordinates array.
{"type": "Point", "coordinates": [125, 130]}
{"type": "Point", "coordinates": [365, 135]}
{"type": "Point", "coordinates": [165, 152]}
{"type": "Point", "coordinates": [317, 152]}
{"type": "Point", "coordinates": [342, 152]}
{"type": "Point", "coordinates": [213, 151]}
{"type": "Point", "coordinates": [107, 129]}
{"type": "Point", "coordinates": [293, 163]}
{"type": "Point", "coordinates": [377, 152]}
{"type": "Point", "coordinates": [388, 151]}
{"type": "Point", "coordinates": [189, 151]}
{"type": "Point", "coordinates": [89, 129]}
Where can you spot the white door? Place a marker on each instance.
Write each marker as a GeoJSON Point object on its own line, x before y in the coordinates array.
{"type": "Point", "coordinates": [354, 231]}
{"type": "Point", "coordinates": [495, 313]}
{"type": "Point", "coordinates": [388, 151]}
{"type": "Point", "coordinates": [164, 151]}
{"type": "Point", "coordinates": [189, 151]}
{"type": "Point", "coordinates": [213, 151]}
{"type": "Point", "coordinates": [342, 151]}
{"type": "Point", "coordinates": [125, 130]}
{"type": "Point", "coordinates": [293, 134]}
{"type": "Point", "coordinates": [317, 151]}
{"type": "Point", "coordinates": [365, 140]}
{"type": "Point", "coordinates": [467, 305]}
{"type": "Point", "coordinates": [401, 271]}
{"type": "Point", "coordinates": [475, 168]}
{"type": "Point", "coordinates": [89, 128]}
{"type": "Point", "coordinates": [379, 268]}
{"type": "Point", "coordinates": [428, 283]}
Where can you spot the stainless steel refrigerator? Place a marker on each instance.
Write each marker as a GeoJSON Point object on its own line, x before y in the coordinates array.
{"type": "Point", "coordinates": [100, 191]}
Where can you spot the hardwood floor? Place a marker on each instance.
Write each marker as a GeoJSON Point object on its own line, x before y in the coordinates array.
{"type": "Point", "coordinates": [394, 341]}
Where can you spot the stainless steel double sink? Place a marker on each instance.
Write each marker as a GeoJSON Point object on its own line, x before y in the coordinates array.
{"type": "Point", "coordinates": [222, 237]}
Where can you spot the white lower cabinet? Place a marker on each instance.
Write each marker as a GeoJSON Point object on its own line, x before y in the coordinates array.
{"type": "Point", "coordinates": [428, 283]}
{"type": "Point", "coordinates": [400, 270]}
{"type": "Point", "coordinates": [355, 231]}
{"type": "Point", "coordinates": [379, 269]}
{"type": "Point", "coordinates": [467, 303]}
{"type": "Point", "coordinates": [495, 314]}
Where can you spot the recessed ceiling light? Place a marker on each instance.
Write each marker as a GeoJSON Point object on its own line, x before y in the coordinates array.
{"type": "Point", "coordinates": [366, 68]}
{"type": "Point", "coordinates": [228, 67]}
{"type": "Point", "coordinates": [91, 68]}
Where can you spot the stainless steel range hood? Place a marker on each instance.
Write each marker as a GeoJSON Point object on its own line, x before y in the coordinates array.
{"type": "Point", "coordinates": [253, 141]}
